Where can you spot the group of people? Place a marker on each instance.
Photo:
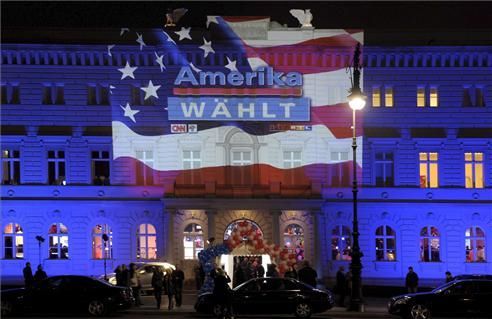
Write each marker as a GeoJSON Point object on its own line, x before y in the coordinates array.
{"type": "Point", "coordinates": [169, 283]}
{"type": "Point", "coordinates": [412, 280]}
{"type": "Point", "coordinates": [29, 278]}
{"type": "Point", "coordinates": [246, 268]}
{"type": "Point", "coordinates": [343, 286]}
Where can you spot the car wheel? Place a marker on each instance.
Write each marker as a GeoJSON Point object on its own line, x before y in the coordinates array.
{"type": "Point", "coordinates": [303, 310]}
{"type": "Point", "coordinates": [7, 308]}
{"type": "Point", "coordinates": [96, 308]}
{"type": "Point", "coordinates": [420, 312]}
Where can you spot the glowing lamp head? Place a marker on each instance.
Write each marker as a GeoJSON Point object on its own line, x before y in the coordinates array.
{"type": "Point", "coordinates": [357, 100]}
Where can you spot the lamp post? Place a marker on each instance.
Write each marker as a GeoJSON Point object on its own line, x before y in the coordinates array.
{"type": "Point", "coordinates": [105, 241]}
{"type": "Point", "coordinates": [40, 240]}
{"type": "Point", "coordinates": [357, 102]}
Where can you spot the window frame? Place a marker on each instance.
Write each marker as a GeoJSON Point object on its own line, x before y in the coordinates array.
{"type": "Point", "coordinates": [473, 238]}
{"type": "Point", "coordinates": [385, 237]}
{"type": "Point", "coordinates": [57, 244]}
{"type": "Point", "coordinates": [95, 160]}
{"type": "Point", "coordinates": [106, 249]}
{"type": "Point", "coordinates": [146, 235]}
{"type": "Point", "coordinates": [428, 164]}
{"type": "Point", "coordinates": [10, 162]}
{"type": "Point", "coordinates": [341, 243]}
{"type": "Point", "coordinates": [14, 235]}
{"type": "Point", "coordinates": [473, 163]}
{"type": "Point", "coordinates": [384, 163]}
{"type": "Point", "coordinates": [144, 170]}
{"type": "Point", "coordinates": [57, 162]}
{"type": "Point", "coordinates": [293, 238]}
{"type": "Point", "coordinates": [194, 235]}
{"type": "Point", "coordinates": [430, 238]}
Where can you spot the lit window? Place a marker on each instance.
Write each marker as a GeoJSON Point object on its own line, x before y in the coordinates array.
{"type": "Point", "coordinates": [145, 165]}
{"type": "Point", "coordinates": [13, 241]}
{"type": "Point", "coordinates": [102, 242]}
{"type": "Point", "coordinates": [146, 242]}
{"type": "Point", "coordinates": [428, 170]}
{"type": "Point", "coordinates": [475, 244]}
{"type": "Point", "coordinates": [421, 96]}
{"type": "Point", "coordinates": [56, 168]}
{"type": "Point", "coordinates": [474, 170]}
{"type": "Point", "coordinates": [430, 244]}
{"type": "Point", "coordinates": [341, 243]}
{"type": "Point", "coordinates": [385, 244]}
{"type": "Point", "coordinates": [100, 167]}
{"type": "Point", "coordinates": [388, 96]}
{"type": "Point", "coordinates": [253, 229]}
{"type": "Point", "coordinates": [376, 96]}
{"type": "Point", "coordinates": [294, 240]}
{"type": "Point", "coordinates": [10, 167]}
{"type": "Point", "coordinates": [58, 241]}
{"type": "Point", "coordinates": [384, 169]}
{"type": "Point", "coordinates": [193, 241]}
{"type": "Point", "coordinates": [434, 98]}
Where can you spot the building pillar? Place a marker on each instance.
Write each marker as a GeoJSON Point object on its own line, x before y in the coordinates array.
{"type": "Point", "coordinates": [276, 227]}
{"type": "Point", "coordinates": [211, 224]}
{"type": "Point", "coordinates": [169, 226]}
{"type": "Point", "coordinates": [317, 245]}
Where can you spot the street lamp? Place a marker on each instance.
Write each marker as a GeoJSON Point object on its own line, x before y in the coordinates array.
{"type": "Point", "coordinates": [40, 240]}
{"type": "Point", "coordinates": [357, 101]}
{"type": "Point", "coordinates": [105, 241]}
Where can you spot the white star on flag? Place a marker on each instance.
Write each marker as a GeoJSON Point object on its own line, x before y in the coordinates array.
{"type": "Point", "coordinates": [231, 65]}
{"type": "Point", "coordinates": [169, 39]}
{"type": "Point", "coordinates": [207, 47]}
{"type": "Point", "coordinates": [127, 71]}
{"type": "Point", "coordinates": [194, 68]}
{"type": "Point", "coordinates": [129, 112]}
{"type": "Point", "coordinates": [212, 19]}
{"type": "Point", "coordinates": [123, 30]}
{"type": "Point", "coordinates": [111, 87]}
{"type": "Point", "coordinates": [160, 61]}
{"type": "Point", "coordinates": [150, 90]}
{"type": "Point", "coordinates": [140, 41]}
{"type": "Point", "coordinates": [109, 49]}
{"type": "Point", "coordinates": [184, 33]}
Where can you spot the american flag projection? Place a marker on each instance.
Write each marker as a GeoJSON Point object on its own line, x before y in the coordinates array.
{"type": "Point", "coordinates": [231, 106]}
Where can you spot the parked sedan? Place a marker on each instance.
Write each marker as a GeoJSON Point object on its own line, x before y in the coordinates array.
{"type": "Point", "coordinates": [145, 270]}
{"type": "Point", "coordinates": [272, 296]}
{"type": "Point", "coordinates": [459, 298]}
{"type": "Point", "coordinates": [62, 294]}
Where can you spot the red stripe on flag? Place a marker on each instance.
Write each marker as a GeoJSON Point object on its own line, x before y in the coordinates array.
{"type": "Point", "coordinates": [238, 91]}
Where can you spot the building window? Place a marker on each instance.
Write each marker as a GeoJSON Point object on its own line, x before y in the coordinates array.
{"type": "Point", "coordinates": [473, 94]}
{"type": "Point", "coordinates": [467, 101]}
{"type": "Point", "coordinates": [53, 94]}
{"type": "Point", "coordinates": [294, 240]}
{"type": "Point", "coordinates": [145, 167]}
{"type": "Point", "coordinates": [341, 243]}
{"type": "Point", "coordinates": [420, 96]}
{"type": "Point", "coordinates": [10, 167]}
{"type": "Point", "coordinates": [146, 242]}
{"type": "Point", "coordinates": [247, 227]}
{"type": "Point", "coordinates": [433, 97]}
{"type": "Point", "coordinates": [10, 93]}
{"type": "Point", "coordinates": [97, 94]}
{"type": "Point", "coordinates": [102, 242]}
{"type": "Point", "coordinates": [340, 169]}
{"type": "Point", "coordinates": [376, 96]}
{"type": "Point", "coordinates": [192, 162]}
{"type": "Point", "coordinates": [479, 99]}
{"type": "Point", "coordinates": [193, 241]}
{"type": "Point", "coordinates": [100, 167]}
{"type": "Point", "coordinates": [388, 96]}
{"type": "Point", "coordinates": [474, 170]}
{"type": "Point", "coordinates": [13, 241]}
{"type": "Point", "coordinates": [430, 244]}
{"type": "Point", "coordinates": [292, 160]}
{"type": "Point", "coordinates": [475, 244]}
{"type": "Point", "coordinates": [58, 241]}
{"type": "Point", "coordinates": [428, 170]}
{"type": "Point", "coordinates": [56, 168]}
{"type": "Point", "coordinates": [243, 175]}
{"type": "Point", "coordinates": [384, 169]}
{"type": "Point", "coordinates": [385, 244]}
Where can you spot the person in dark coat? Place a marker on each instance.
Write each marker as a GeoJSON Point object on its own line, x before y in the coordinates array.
{"type": "Point", "coordinates": [449, 277]}
{"type": "Point", "coordinates": [134, 278]}
{"type": "Point", "coordinates": [124, 276]}
{"type": "Point", "coordinates": [28, 277]}
{"type": "Point", "coordinates": [272, 271]}
{"type": "Point", "coordinates": [222, 293]}
{"type": "Point", "coordinates": [308, 275]}
{"type": "Point", "coordinates": [412, 281]}
{"type": "Point", "coordinates": [178, 279]}
{"type": "Point", "coordinates": [169, 289]}
{"type": "Point", "coordinates": [340, 287]}
{"type": "Point", "coordinates": [40, 274]}
{"type": "Point", "coordinates": [157, 285]}
{"type": "Point", "coordinates": [291, 273]}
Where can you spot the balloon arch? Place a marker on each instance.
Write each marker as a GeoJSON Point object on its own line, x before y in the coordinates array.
{"type": "Point", "coordinates": [244, 232]}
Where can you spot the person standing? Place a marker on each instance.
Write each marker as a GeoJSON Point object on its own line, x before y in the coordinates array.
{"type": "Point", "coordinates": [341, 285]}
{"type": "Point", "coordinates": [124, 276]}
{"type": "Point", "coordinates": [222, 293]}
{"type": "Point", "coordinates": [449, 277]}
{"type": "Point", "coordinates": [135, 284]}
{"type": "Point", "coordinates": [40, 274]}
{"type": "Point", "coordinates": [169, 289]}
{"type": "Point", "coordinates": [157, 285]}
{"type": "Point", "coordinates": [178, 279]}
{"type": "Point", "coordinates": [291, 273]}
{"type": "Point", "coordinates": [28, 277]}
{"type": "Point", "coordinates": [308, 275]}
{"type": "Point", "coordinates": [411, 281]}
{"type": "Point", "coordinates": [272, 271]}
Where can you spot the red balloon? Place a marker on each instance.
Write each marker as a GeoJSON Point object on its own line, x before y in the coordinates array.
{"type": "Point", "coordinates": [292, 256]}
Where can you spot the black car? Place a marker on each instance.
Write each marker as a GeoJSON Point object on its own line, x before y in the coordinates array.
{"type": "Point", "coordinates": [62, 294]}
{"type": "Point", "coordinates": [458, 298]}
{"type": "Point", "coordinates": [272, 296]}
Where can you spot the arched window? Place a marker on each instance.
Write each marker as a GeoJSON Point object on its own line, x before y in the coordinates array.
{"type": "Point", "coordinates": [146, 242]}
{"type": "Point", "coordinates": [385, 244]}
{"type": "Point", "coordinates": [294, 240]}
{"type": "Point", "coordinates": [341, 243]}
{"type": "Point", "coordinates": [193, 241]}
{"type": "Point", "coordinates": [102, 242]}
{"type": "Point", "coordinates": [475, 244]}
{"type": "Point", "coordinates": [13, 241]}
{"type": "Point", "coordinates": [58, 241]}
{"type": "Point", "coordinates": [430, 244]}
{"type": "Point", "coordinates": [235, 224]}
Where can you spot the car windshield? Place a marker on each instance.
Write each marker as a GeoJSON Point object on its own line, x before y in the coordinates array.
{"type": "Point", "coordinates": [443, 287]}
